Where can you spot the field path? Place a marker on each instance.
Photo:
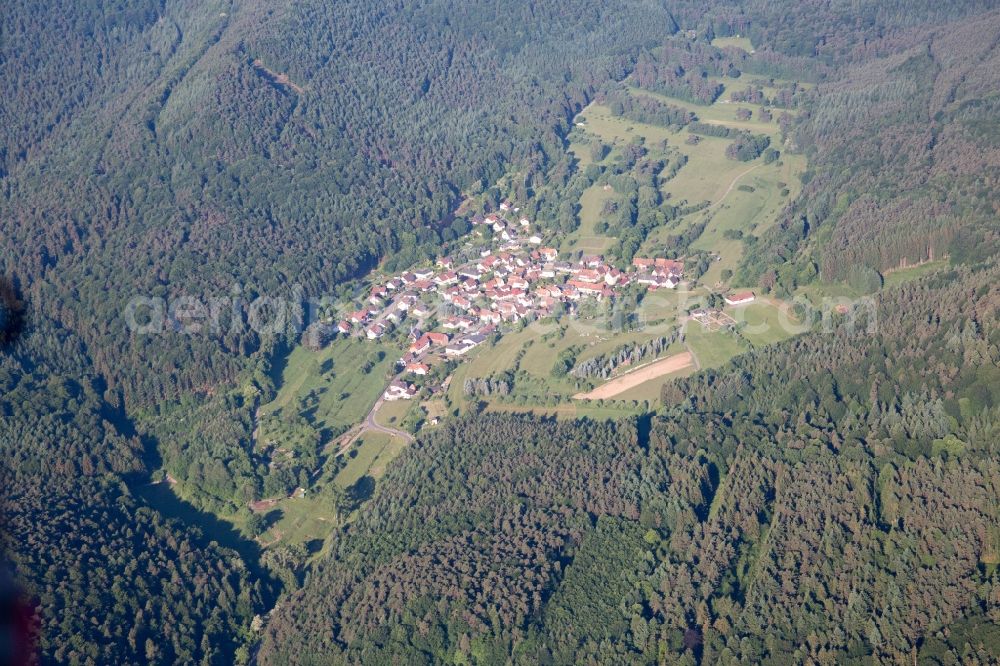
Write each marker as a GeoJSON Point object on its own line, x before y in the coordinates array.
{"type": "Point", "coordinates": [641, 375]}
{"type": "Point", "coordinates": [694, 358]}
{"type": "Point", "coordinates": [732, 185]}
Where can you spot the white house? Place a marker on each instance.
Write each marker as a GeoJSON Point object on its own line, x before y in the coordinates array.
{"type": "Point", "coordinates": [399, 390]}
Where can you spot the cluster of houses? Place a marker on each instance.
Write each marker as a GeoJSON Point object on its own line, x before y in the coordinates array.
{"type": "Point", "coordinates": [514, 280]}
{"type": "Point", "coordinates": [498, 287]}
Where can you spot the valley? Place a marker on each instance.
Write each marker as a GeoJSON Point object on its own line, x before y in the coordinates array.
{"type": "Point", "coordinates": [509, 332]}
{"type": "Point", "coordinates": [528, 357]}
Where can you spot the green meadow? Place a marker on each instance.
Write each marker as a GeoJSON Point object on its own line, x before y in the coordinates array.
{"type": "Point", "coordinates": [746, 197]}
{"type": "Point", "coordinates": [329, 388]}
{"type": "Point", "coordinates": [368, 457]}
{"type": "Point", "coordinates": [738, 42]}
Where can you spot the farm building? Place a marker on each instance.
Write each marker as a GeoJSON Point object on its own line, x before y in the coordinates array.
{"type": "Point", "coordinates": [740, 298]}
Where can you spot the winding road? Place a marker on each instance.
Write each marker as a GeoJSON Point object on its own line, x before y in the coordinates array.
{"type": "Point", "coordinates": [371, 425]}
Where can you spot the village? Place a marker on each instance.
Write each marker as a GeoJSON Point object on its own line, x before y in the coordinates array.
{"type": "Point", "coordinates": [455, 306]}
{"type": "Point", "coordinates": [522, 311]}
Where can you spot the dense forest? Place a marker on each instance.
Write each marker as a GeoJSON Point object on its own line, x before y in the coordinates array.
{"type": "Point", "coordinates": [826, 500]}
{"type": "Point", "coordinates": [902, 161]}
{"type": "Point", "coordinates": [113, 580]}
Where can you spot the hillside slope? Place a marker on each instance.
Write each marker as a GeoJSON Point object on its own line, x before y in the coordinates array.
{"type": "Point", "coordinates": [830, 499]}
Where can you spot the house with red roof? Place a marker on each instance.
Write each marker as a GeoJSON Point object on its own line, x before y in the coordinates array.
{"type": "Point", "coordinates": [740, 298]}
{"type": "Point", "coordinates": [437, 339]}
{"type": "Point", "coordinates": [420, 345]}
{"type": "Point", "coordinates": [362, 316]}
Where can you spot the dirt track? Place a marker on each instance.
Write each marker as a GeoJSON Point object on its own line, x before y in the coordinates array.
{"type": "Point", "coordinates": [644, 374]}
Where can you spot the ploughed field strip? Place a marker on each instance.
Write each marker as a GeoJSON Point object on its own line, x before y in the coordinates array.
{"type": "Point", "coordinates": [639, 376]}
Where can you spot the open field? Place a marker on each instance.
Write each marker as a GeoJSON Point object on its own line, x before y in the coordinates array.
{"type": "Point", "coordinates": [611, 129]}
{"type": "Point", "coordinates": [372, 452]}
{"type": "Point", "coordinates": [816, 292]}
{"type": "Point", "coordinates": [708, 175]}
{"type": "Point", "coordinates": [712, 348]}
{"type": "Point", "coordinates": [765, 323]}
{"type": "Point", "coordinates": [303, 519]}
{"type": "Point", "coordinates": [774, 185]}
{"type": "Point", "coordinates": [328, 387]}
{"type": "Point", "coordinates": [738, 42]}
{"type": "Point", "coordinates": [585, 238]}
{"type": "Point", "coordinates": [488, 360]}
{"type": "Point", "coordinates": [635, 378]}
{"type": "Point", "coordinates": [392, 412]}
{"type": "Point", "coordinates": [898, 276]}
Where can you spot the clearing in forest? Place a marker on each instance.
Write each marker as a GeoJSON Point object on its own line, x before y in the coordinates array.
{"type": "Point", "coordinates": [737, 41]}
{"type": "Point", "coordinates": [742, 197]}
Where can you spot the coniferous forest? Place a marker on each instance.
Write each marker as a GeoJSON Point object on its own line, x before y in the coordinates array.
{"type": "Point", "coordinates": [833, 498]}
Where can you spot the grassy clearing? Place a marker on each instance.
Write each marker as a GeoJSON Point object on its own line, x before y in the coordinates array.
{"type": "Point", "coordinates": [436, 408]}
{"type": "Point", "coordinates": [739, 42]}
{"type": "Point", "coordinates": [488, 360]}
{"type": "Point", "coordinates": [817, 292]}
{"type": "Point", "coordinates": [764, 323]}
{"type": "Point", "coordinates": [392, 413]}
{"type": "Point", "coordinates": [713, 349]}
{"type": "Point", "coordinates": [368, 457]}
{"type": "Point", "coordinates": [611, 129]}
{"type": "Point", "coordinates": [660, 309]}
{"type": "Point", "coordinates": [586, 238]}
{"type": "Point", "coordinates": [328, 387]}
{"type": "Point", "coordinates": [304, 519]}
{"type": "Point", "coordinates": [748, 212]}
{"type": "Point", "coordinates": [708, 174]}
{"type": "Point", "coordinates": [901, 275]}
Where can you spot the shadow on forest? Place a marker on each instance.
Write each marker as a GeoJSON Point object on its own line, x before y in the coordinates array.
{"type": "Point", "coordinates": [206, 526]}
{"type": "Point", "coordinates": [209, 528]}
{"type": "Point", "coordinates": [11, 312]}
